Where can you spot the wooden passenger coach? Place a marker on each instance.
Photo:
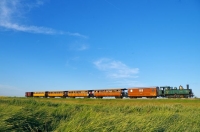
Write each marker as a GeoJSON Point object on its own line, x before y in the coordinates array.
{"type": "Point", "coordinates": [40, 94]}
{"type": "Point", "coordinates": [53, 94]}
{"type": "Point", "coordinates": [118, 93]}
{"type": "Point", "coordinates": [29, 94]}
{"type": "Point", "coordinates": [81, 93]}
{"type": "Point", "coordinates": [149, 92]}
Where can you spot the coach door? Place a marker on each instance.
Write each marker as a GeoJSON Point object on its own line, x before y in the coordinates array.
{"type": "Point", "coordinates": [124, 92]}
{"type": "Point", "coordinates": [90, 93]}
{"type": "Point", "coordinates": [65, 93]}
{"type": "Point", "coordinates": [46, 94]}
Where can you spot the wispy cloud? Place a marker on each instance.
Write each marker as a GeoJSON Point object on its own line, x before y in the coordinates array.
{"type": "Point", "coordinates": [12, 10]}
{"type": "Point", "coordinates": [30, 29]}
{"type": "Point", "coordinates": [83, 47]}
{"type": "Point", "coordinates": [116, 69]}
{"type": "Point", "coordinates": [112, 5]}
{"type": "Point", "coordinates": [78, 46]}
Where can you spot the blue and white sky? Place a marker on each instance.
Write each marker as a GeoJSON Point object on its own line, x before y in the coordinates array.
{"type": "Point", "coordinates": [95, 44]}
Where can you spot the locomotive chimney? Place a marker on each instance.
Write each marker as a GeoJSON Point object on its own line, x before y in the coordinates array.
{"type": "Point", "coordinates": [187, 86]}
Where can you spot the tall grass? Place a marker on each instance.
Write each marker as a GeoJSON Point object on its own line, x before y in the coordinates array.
{"type": "Point", "coordinates": [89, 115]}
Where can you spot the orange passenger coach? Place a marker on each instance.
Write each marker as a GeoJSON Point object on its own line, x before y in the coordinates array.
{"type": "Point", "coordinates": [149, 92]}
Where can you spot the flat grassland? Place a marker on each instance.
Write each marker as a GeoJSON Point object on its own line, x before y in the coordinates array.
{"type": "Point", "coordinates": [89, 115]}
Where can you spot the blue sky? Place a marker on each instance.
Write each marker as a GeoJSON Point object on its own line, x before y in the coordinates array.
{"type": "Point", "coordinates": [91, 44]}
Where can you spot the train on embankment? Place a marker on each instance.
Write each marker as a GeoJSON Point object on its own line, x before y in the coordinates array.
{"type": "Point", "coordinates": [135, 92]}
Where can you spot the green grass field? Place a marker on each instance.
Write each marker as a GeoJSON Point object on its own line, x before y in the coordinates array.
{"type": "Point", "coordinates": [99, 115]}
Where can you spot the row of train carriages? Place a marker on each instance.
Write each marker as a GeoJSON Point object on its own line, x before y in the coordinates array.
{"type": "Point", "coordinates": [136, 92]}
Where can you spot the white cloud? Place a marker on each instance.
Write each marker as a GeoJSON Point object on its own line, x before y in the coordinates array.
{"type": "Point", "coordinates": [12, 10]}
{"type": "Point", "coordinates": [78, 46]}
{"type": "Point", "coordinates": [38, 3]}
{"type": "Point", "coordinates": [83, 47]}
{"type": "Point", "coordinates": [76, 34]}
{"type": "Point", "coordinates": [30, 29]}
{"type": "Point", "coordinates": [116, 69]}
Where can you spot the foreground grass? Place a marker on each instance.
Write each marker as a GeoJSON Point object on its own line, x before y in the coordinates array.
{"type": "Point", "coordinates": [72, 115]}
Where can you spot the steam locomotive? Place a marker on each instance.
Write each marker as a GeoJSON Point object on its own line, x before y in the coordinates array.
{"type": "Point", "coordinates": [134, 92]}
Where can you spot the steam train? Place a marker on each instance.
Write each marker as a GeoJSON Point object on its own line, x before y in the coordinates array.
{"type": "Point", "coordinates": [135, 92]}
